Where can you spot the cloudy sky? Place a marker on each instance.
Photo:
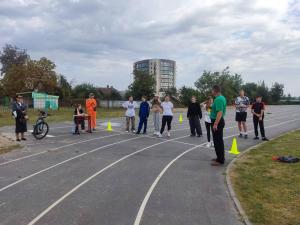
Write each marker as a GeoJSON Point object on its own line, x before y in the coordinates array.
{"type": "Point", "coordinates": [97, 41]}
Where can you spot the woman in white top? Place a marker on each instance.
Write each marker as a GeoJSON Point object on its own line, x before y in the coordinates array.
{"type": "Point", "coordinates": [130, 107]}
{"type": "Point", "coordinates": [206, 109]}
{"type": "Point", "coordinates": [167, 107]}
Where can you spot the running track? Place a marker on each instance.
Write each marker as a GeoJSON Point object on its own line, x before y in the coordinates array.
{"type": "Point", "coordinates": [120, 179]}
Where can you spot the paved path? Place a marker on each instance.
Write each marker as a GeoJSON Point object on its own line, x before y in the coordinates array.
{"type": "Point", "coordinates": [120, 179]}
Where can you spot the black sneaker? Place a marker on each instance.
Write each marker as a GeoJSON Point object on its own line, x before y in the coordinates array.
{"type": "Point", "coordinates": [241, 135]}
{"type": "Point", "coordinates": [24, 139]}
{"type": "Point", "coordinates": [246, 136]}
{"type": "Point", "coordinates": [256, 138]}
{"type": "Point", "coordinates": [265, 139]}
{"type": "Point", "coordinates": [18, 140]}
{"type": "Point", "coordinates": [192, 135]}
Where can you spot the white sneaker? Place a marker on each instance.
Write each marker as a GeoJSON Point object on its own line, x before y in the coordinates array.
{"type": "Point", "coordinates": [159, 135]}
{"type": "Point", "coordinates": [211, 144]}
{"type": "Point", "coordinates": [208, 144]}
{"type": "Point", "coordinates": [133, 131]}
{"type": "Point", "coordinates": [127, 131]}
{"type": "Point", "coordinates": [169, 134]}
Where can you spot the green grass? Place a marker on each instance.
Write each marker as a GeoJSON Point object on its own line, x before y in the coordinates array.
{"type": "Point", "coordinates": [63, 114]}
{"type": "Point", "coordinates": [269, 191]}
{"type": "Point", "coordinates": [7, 149]}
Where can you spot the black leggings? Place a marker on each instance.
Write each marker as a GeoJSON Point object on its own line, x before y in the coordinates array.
{"type": "Point", "coordinates": [208, 129]}
{"type": "Point", "coordinates": [166, 120]}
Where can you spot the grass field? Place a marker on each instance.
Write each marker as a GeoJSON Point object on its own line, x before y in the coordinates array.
{"type": "Point", "coordinates": [63, 114]}
{"type": "Point", "coordinates": [270, 191]}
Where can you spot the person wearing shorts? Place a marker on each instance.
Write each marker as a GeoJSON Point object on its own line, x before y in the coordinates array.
{"type": "Point", "coordinates": [241, 104]}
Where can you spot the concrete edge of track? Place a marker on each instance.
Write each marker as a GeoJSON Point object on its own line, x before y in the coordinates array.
{"type": "Point", "coordinates": [231, 192]}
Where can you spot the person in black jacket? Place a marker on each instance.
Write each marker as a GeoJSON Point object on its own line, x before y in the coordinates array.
{"type": "Point", "coordinates": [194, 115]}
{"type": "Point", "coordinates": [19, 113]}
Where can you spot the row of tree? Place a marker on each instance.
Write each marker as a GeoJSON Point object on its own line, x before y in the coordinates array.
{"type": "Point", "coordinates": [19, 73]}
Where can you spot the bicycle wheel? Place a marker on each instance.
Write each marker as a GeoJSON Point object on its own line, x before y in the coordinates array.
{"type": "Point", "coordinates": [40, 130]}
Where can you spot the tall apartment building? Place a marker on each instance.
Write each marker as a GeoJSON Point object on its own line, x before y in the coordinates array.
{"type": "Point", "coordinates": [164, 71]}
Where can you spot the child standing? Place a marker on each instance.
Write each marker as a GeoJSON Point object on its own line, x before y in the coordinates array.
{"type": "Point", "coordinates": [167, 107]}
{"type": "Point", "coordinates": [156, 109]}
{"type": "Point", "coordinates": [78, 118]}
{"type": "Point", "coordinates": [257, 110]}
{"type": "Point", "coordinates": [194, 114]}
{"type": "Point", "coordinates": [143, 114]}
{"type": "Point", "coordinates": [130, 107]}
{"type": "Point", "coordinates": [206, 106]}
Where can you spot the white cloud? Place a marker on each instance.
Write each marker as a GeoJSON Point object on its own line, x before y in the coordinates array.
{"type": "Point", "coordinates": [98, 40]}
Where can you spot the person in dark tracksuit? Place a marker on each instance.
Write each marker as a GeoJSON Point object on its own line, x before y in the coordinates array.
{"type": "Point", "coordinates": [218, 123]}
{"type": "Point", "coordinates": [194, 114]}
{"type": "Point", "coordinates": [143, 114]}
{"type": "Point", "coordinates": [257, 109]}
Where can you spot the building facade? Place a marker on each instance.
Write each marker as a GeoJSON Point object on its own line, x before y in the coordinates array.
{"type": "Point", "coordinates": [164, 71]}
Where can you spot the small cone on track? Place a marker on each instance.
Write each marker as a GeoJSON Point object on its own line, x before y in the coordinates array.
{"type": "Point", "coordinates": [180, 118]}
{"type": "Point", "coordinates": [234, 149]}
{"type": "Point", "coordinates": [109, 127]}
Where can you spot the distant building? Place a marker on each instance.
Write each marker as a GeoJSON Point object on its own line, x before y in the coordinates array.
{"type": "Point", "coordinates": [164, 71]}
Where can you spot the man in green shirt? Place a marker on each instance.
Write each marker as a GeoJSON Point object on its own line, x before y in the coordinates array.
{"type": "Point", "coordinates": [217, 120]}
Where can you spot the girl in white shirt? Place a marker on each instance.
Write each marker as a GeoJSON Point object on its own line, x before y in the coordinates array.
{"type": "Point", "coordinates": [206, 109]}
{"type": "Point", "coordinates": [167, 107]}
{"type": "Point", "coordinates": [130, 107]}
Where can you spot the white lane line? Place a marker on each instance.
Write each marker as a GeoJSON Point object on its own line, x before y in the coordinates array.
{"type": "Point", "coordinates": [36, 219]}
{"type": "Point", "coordinates": [50, 136]}
{"type": "Point", "coordinates": [154, 184]}
{"type": "Point", "coordinates": [147, 197]}
{"type": "Point", "coordinates": [42, 214]}
{"type": "Point", "coordinates": [57, 148]}
{"type": "Point", "coordinates": [65, 161]}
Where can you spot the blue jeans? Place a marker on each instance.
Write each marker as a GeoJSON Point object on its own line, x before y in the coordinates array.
{"type": "Point", "coordinates": [143, 121]}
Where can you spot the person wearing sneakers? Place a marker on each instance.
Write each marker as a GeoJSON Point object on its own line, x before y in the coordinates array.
{"type": "Point", "coordinates": [143, 114]}
{"type": "Point", "coordinates": [218, 123]}
{"type": "Point", "coordinates": [194, 114]}
{"type": "Point", "coordinates": [167, 107]}
{"type": "Point", "coordinates": [156, 109]}
{"type": "Point", "coordinates": [206, 107]}
{"type": "Point", "coordinates": [242, 103]}
{"type": "Point", "coordinates": [257, 109]}
{"type": "Point", "coordinates": [130, 107]}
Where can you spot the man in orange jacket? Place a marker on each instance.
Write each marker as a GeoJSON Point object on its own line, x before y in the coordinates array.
{"type": "Point", "coordinates": [91, 106]}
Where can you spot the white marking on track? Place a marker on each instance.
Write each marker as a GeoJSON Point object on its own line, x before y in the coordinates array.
{"type": "Point", "coordinates": [54, 149]}
{"type": "Point", "coordinates": [67, 160]}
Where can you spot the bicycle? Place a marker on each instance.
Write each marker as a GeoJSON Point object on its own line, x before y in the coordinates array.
{"type": "Point", "coordinates": [41, 128]}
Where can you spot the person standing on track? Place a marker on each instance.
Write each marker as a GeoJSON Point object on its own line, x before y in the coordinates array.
{"type": "Point", "coordinates": [91, 109]}
{"type": "Point", "coordinates": [257, 109]}
{"type": "Point", "coordinates": [242, 103]}
{"type": "Point", "coordinates": [218, 123]}
{"type": "Point", "coordinates": [19, 113]}
{"type": "Point", "coordinates": [206, 106]}
{"type": "Point", "coordinates": [167, 107]}
{"type": "Point", "coordinates": [156, 109]}
{"type": "Point", "coordinates": [143, 114]}
{"type": "Point", "coordinates": [130, 107]}
{"type": "Point", "coordinates": [194, 114]}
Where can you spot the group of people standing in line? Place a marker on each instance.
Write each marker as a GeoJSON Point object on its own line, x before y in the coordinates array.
{"type": "Point", "coordinates": [214, 111]}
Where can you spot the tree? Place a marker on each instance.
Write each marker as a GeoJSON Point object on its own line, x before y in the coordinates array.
{"type": "Point", "coordinates": [263, 91]}
{"type": "Point", "coordinates": [186, 94]}
{"type": "Point", "coordinates": [276, 92]}
{"type": "Point", "coordinates": [64, 88]}
{"type": "Point", "coordinates": [83, 91]}
{"type": "Point", "coordinates": [250, 90]}
{"type": "Point", "coordinates": [34, 75]}
{"type": "Point", "coordinates": [229, 83]}
{"type": "Point", "coordinates": [143, 85]}
{"type": "Point", "coordinates": [171, 91]}
{"type": "Point", "coordinates": [11, 55]}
